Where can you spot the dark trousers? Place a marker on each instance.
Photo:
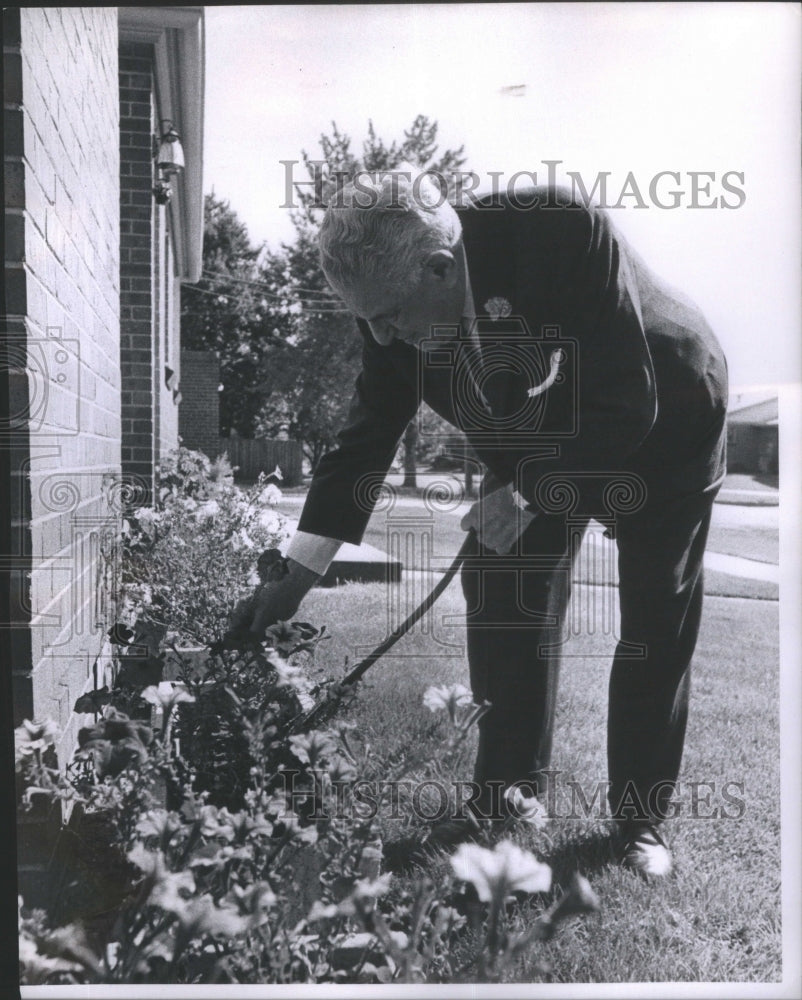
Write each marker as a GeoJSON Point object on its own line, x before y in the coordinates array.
{"type": "Point", "coordinates": [516, 618]}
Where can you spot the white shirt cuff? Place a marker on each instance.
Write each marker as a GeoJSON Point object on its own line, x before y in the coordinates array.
{"type": "Point", "coordinates": [315, 552]}
{"type": "Point", "coordinates": [519, 501]}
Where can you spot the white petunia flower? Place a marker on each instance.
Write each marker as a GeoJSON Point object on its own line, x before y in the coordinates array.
{"type": "Point", "coordinates": [451, 698]}
{"type": "Point", "coordinates": [166, 695]}
{"type": "Point", "coordinates": [498, 873]}
{"type": "Point", "coordinates": [207, 511]}
{"type": "Point", "coordinates": [271, 494]}
{"type": "Point", "coordinates": [147, 515]}
{"type": "Point", "coordinates": [241, 540]}
{"type": "Point", "coordinates": [270, 521]}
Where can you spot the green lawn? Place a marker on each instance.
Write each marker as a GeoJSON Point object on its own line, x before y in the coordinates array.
{"type": "Point", "coordinates": [717, 918]}
{"type": "Point", "coordinates": [762, 544]}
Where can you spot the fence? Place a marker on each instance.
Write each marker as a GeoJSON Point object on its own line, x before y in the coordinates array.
{"type": "Point", "coordinates": [254, 455]}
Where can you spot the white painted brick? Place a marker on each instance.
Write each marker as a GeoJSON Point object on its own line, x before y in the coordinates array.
{"type": "Point", "coordinates": [72, 246]}
{"type": "Point", "coordinates": [37, 300]}
{"type": "Point", "coordinates": [35, 201]}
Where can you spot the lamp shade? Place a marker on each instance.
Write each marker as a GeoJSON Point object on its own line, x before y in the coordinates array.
{"type": "Point", "coordinates": [171, 155]}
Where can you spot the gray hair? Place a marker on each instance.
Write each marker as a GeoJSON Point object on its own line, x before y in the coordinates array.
{"type": "Point", "coordinates": [382, 226]}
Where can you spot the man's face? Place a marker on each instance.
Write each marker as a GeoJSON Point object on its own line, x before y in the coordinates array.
{"type": "Point", "coordinates": [436, 299]}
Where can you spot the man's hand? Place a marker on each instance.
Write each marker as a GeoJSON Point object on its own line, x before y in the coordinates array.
{"type": "Point", "coordinates": [277, 598]}
{"type": "Point", "coordinates": [498, 520]}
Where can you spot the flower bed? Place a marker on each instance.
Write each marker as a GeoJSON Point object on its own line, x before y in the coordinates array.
{"type": "Point", "coordinates": [241, 852]}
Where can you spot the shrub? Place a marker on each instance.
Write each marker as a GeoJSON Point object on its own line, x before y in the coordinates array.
{"type": "Point", "coordinates": [286, 888]}
{"type": "Point", "coordinates": [248, 852]}
{"type": "Point", "coordinates": [190, 558]}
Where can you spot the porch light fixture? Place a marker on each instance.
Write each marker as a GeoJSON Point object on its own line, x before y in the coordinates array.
{"type": "Point", "coordinates": [170, 158]}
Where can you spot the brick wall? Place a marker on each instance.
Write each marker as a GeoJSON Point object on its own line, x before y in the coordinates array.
{"type": "Point", "coordinates": [149, 344]}
{"type": "Point", "coordinates": [62, 268]}
{"type": "Point", "coordinates": [199, 413]}
{"type": "Point", "coordinates": [69, 263]}
{"type": "Point", "coordinates": [137, 307]}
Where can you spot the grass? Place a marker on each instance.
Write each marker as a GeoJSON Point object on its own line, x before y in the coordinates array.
{"type": "Point", "coordinates": [717, 918]}
{"type": "Point", "coordinates": [762, 544]}
{"type": "Point", "coordinates": [718, 584]}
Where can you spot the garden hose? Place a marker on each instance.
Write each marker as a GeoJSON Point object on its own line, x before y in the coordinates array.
{"type": "Point", "coordinates": [326, 708]}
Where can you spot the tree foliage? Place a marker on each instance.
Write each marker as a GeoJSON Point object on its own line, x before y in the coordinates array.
{"type": "Point", "coordinates": [311, 387]}
{"type": "Point", "coordinates": [289, 350]}
{"type": "Point", "coordinates": [223, 313]}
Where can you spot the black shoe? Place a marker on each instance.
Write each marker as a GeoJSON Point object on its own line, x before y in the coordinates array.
{"type": "Point", "coordinates": [450, 833]}
{"type": "Point", "coordinates": [645, 851]}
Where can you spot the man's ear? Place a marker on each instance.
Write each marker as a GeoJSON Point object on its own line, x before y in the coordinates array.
{"type": "Point", "coordinates": [442, 265]}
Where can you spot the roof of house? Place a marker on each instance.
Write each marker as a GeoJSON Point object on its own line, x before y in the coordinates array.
{"type": "Point", "coordinates": [177, 36]}
{"type": "Point", "coordinates": [756, 407]}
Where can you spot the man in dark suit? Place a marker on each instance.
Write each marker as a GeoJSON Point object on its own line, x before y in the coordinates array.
{"type": "Point", "coordinates": [588, 389]}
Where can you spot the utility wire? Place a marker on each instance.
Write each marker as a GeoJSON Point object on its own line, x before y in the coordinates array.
{"type": "Point", "coordinates": [261, 290]}
{"type": "Point", "coordinates": [308, 308]}
{"type": "Point", "coordinates": [261, 284]}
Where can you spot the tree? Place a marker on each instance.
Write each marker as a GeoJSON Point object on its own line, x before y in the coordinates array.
{"type": "Point", "coordinates": [224, 313]}
{"type": "Point", "coordinates": [310, 381]}
{"type": "Point", "coordinates": [411, 454]}
{"type": "Point", "coordinates": [289, 350]}
{"type": "Point", "coordinates": [316, 353]}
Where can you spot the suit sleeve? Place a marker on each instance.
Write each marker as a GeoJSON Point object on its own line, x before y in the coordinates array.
{"type": "Point", "coordinates": [613, 404]}
{"type": "Point", "coordinates": [343, 492]}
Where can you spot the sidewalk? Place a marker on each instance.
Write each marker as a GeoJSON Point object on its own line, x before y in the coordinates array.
{"type": "Point", "coordinates": [739, 487]}
{"type": "Point", "coordinates": [749, 491]}
{"type": "Point", "coordinates": [743, 537]}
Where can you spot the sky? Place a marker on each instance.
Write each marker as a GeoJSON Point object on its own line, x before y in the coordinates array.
{"type": "Point", "coordinates": [626, 89]}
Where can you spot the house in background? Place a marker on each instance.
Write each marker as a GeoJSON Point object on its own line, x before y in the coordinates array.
{"type": "Point", "coordinates": [199, 415]}
{"type": "Point", "coordinates": [199, 427]}
{"type": "Point", "coordinates": [102, 224]}
{"type": "Point", "coordinates": [753, 433]}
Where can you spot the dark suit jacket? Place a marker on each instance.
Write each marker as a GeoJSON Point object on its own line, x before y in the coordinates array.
{"type": "Point", "coordinates": [641, 387]}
